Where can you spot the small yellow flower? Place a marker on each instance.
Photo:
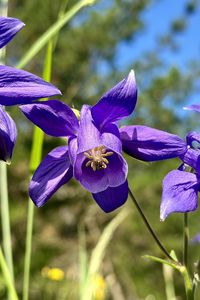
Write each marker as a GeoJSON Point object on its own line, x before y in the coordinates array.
{"type": "Point", "coordinates": [54, 274]}
{"type": "Point", "coordinates": [99, 287]}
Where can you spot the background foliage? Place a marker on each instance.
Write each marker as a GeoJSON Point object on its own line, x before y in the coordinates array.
{"type": "Point", "coordinates": [86, 62]}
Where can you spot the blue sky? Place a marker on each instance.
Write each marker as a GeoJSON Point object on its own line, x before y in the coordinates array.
{"type": "Point", "coordinates": [158, 18]}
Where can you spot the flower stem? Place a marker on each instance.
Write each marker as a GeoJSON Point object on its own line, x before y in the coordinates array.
{"type": "Point", "coordinates": [7, 244]}
{"type": "Point", "coordinates": [27, 261]}
{"type": "Point", "coordinates": [185, 240]}
{"type": "Point", "coordinates": [188, 283]}
{"type": "Point", "coordinates": [5, 216]}
{"type": "Point", "coordinates": [162, 248]}
{"type": "Point", "coordinates": [36, 154]}
{"type": "Point", "coordinates": [7, 277]}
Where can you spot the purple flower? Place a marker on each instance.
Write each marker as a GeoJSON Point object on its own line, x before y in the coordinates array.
{"type": "Point", "coordinates": [16, 87]}
{"type": "Point", "coordinates": [94, 152]}
{"type": "Point", "coordinates": [8, 135]}
{"type": "Point", "coordinates": [196, 239]}
{"type": "Point", "coordinates": [180, 187]}
{"type": "Point", "coordinates": [8, 29]}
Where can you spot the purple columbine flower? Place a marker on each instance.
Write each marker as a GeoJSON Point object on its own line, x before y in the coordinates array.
{"type": "Point", "coordinates": [181, 187]}
{"type": "Point", "coordinates": [16, 87]}
{"type": "Point", "coordinates": [94, 152]}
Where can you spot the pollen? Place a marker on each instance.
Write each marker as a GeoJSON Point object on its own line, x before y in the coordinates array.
{"type": "Point", "coordinates": [97, 158]}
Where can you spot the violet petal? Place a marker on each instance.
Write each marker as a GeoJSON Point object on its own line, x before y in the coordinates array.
{"type": "Point", "coordinates": [53, 117]}
{"type": "Point", "coordinates": [54, 171]}
{"type": "Point", "coordinates": [180, 193]}
{"type": "Point", "coordinates": [192, 159]}
{"type": "Point", "coordinates": [149, 144]}
{"type": "Point", "coordinates": [89, 137]}
{"type": "Point", "coordinates": [193, 139]}
{"type": "Point", "coordinates": [21, 87]}
{"type": "Point", "coordinates": [8, 135]}
{"type": "Point", "coordinates": [8, 29]}
{"type": "Point", "coordinates": [88, 134]}
{"type": "Point", "coordinates": [117, 103]}
{"type": "Point", "coordinates": [112, 197]}
{"type": "Point", "coordinates": [194, 107]}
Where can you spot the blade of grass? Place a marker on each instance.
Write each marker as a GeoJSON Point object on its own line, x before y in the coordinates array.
{"type": "Point", "coordinates": [99, 252]}
{"type": "Point", "coordinates": [5, 216]}
{"type": "Point", "coordinates": [36, 154]}
{"type": "Point", "coordinates": [7, 277]}
{"type": "Point", "coordinates": [52, 31]}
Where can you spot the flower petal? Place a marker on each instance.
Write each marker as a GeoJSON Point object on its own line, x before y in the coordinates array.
{"type": "Point", "coordinates": [89, 137]}
{"type": "Point", "coordinates": [117, 103]}
{"type": "Point", "coordinates": [21, 87]}
{"type": "Point", "coordinates": [8, 29]}
{"type": "Point", "coordinates": [53, 117]}
{"type": "Point", "coordinates": [8, 135]}
{"type": "Point", "coordinates": [193, 139]}
{"type": "Point", "coordinates": [96, 181]}
{"type": "Point", "coordinates": [112, 197]}
{"type": "Point", "coordinates": [149, 144]}
{"type": "Point", "coordinates": [180, 193]}
{"type": "Point", "coordinates": [196, 239]}
{"type": "Point", "coordinates": [194, 107]}
{"type": "Point", "coordinates": [54, 171]}
{"type": "Point", "coordinates": [192, 159]}
{"type": "Point", "coordinates": [89, 134]}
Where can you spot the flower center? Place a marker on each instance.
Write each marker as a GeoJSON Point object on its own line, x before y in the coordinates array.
{"type": "Point", "coordinates": [97, 158]}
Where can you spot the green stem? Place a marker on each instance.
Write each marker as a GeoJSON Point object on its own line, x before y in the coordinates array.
{"type": "Point", "coordinates": [162, 248]}
{"type": "Point", "coordinates": [27, 261]}
{"type": "Point", "coordinates": [188, 283]}
{"type": "Point", "coordinates": [52, 31]}
{"type": "Point", "coordinates": [7, 277]}
{"type": "Point", "coordinates": [185, 240]}
{"type": "Point", "coordinates": [36, 154]}
{"type": "Point", "coordinates": [5, 217]}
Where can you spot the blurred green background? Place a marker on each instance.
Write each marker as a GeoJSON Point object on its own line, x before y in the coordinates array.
{"type": "Point", "coordinates": [160, 41]}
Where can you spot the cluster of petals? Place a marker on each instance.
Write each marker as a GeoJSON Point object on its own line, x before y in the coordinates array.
{"type": "Point", "coordinates": [16, 87]}
{"type": "Point", "coordinates": [93, 155]}
{"type": "Point", "coordinates": [94, 144]}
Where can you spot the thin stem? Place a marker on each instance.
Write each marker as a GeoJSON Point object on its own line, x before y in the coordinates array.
{"type": "Point", "coordinates": [36, 153]}
{"type": "Point", "coordinates": [5, 217]}
{"type": "Point", "coordinates": [27, 261]}
{"type": "Point", "coordinates": [7, 277]}
{"type": "Point", "coordinates": [162, 248]}
{"type": "Point", "coordinates": [188, 283]}
{"type": "Point", "coordinates": [52, 31]}
{"type": "Point", "coordinates": [185, 239]}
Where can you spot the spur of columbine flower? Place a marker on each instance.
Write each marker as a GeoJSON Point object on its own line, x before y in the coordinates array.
{"type": "Point", "coordinates": [16, 87]}
{"type": "Point", "coordinates": [94, 152]}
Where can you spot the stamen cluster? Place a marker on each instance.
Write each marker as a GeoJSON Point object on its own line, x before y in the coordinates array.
{"type": "Point", "coordinates": [97, 158]}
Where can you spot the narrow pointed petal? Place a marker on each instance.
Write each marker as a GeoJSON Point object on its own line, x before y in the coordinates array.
{"type": "Point", "coordinates": [8, 135]}
{"type": "Point", "coordinates": [149, 144]}
{"type": "Point", "coordinates": [180, 193]}
{"type": "Point", "coordinates": [21, 87]}
{"type": "Point", "coordinates": [112, 197]}
{"type": "Point", "coordinates": [117, 103]}
{"type": "Point", "coordinates": [89, 134]}
{"type": "Point", "coordinates": [8, 29]}
{"type": "Point", "coordinates": [54, 171]}
{"type": "Point", "coordinates": [53, 117]}
{"type": "Point", "coordinates": [194, 107]}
